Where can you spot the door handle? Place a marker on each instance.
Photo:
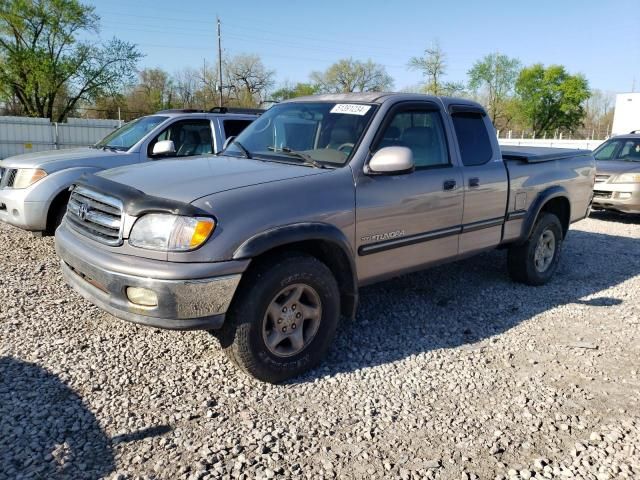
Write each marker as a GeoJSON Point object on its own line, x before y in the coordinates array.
{"type": "Point", "coordinates": [449, 184]}
{"type": "Point", "coordinates": [474, 182]}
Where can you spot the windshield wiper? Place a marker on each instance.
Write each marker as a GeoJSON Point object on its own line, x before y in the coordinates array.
{"type": "Point", "coordinates": [110, 147]}
{"type": "Point", "coordinates": [307, 159]}
{"type": "Point", "coordinates": [244, 150]}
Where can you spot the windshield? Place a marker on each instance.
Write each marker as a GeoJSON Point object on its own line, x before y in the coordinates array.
{"type": "Point", "coordinates": [130, 133]}
{"type": "Point", "coordinates": [314, 133]}
{"type": "Point", "coordinates": [626, 150]}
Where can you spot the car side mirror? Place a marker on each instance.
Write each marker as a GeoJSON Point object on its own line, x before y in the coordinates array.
{"type": "Point", "coordinates": [391, 161]}
{"type": "Point", "coordinates": [163, 147]}
{"type": "Point", "coordinates": [227, 142]}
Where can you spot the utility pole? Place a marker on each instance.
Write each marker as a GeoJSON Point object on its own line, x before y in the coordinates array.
{"type": "Point", "coordinates": [219, 63]}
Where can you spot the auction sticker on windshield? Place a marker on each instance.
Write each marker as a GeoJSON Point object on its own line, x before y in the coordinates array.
{"type": "Point", "coordinates": [351, 109]}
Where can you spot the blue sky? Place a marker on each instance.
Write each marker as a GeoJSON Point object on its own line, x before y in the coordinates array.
{"type": "Point", "coordinates": [600, 39]}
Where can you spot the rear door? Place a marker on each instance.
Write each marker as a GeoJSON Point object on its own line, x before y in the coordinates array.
{"type": "Point", "coordinates": [485, 180]}
{"type": "Point", "coordinates": [410, 220]}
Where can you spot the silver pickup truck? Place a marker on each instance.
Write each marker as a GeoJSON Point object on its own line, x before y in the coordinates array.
{"type": "Point", "coordinates": [268, 243]}
{"type": "Point", "coordinates": [34, 186]}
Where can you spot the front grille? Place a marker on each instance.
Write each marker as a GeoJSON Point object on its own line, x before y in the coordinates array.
{"type": "Point", "coordinates": [7, 177]}
{"type": "Point", "coordinates": [601, 194]}
{"type": "Point", "coordinates": [602, 178]}
{"type": "Point", "coordinates": [96, 215]}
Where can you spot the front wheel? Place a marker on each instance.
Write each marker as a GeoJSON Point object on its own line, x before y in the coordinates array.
{"type": "Point", "coordinates": [283, 319]}
{"type": "Point", "coordinates": [535, 261]}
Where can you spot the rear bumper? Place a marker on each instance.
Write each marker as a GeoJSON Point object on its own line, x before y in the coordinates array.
{"type": "Point", "coordinates": [15, 209]}
{"type": "Point", "coordinates": [620, 197]}
{"type": "Point", "coordinates": [102, 277]}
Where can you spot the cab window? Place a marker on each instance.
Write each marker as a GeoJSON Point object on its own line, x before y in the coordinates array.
{"type": "Point", "coordinates": [422, 132]}
{"type": "Point", "coordinates": [606, 151]}
{"type": "Point", "coordinates": [190, 137]}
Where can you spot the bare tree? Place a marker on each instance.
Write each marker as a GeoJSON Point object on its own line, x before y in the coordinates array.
{"type": "Point", "coordinates": [247, 79]}
{"type": "Point", "coordinates": [433, 65]}
{"type": "Point", "coordinates": [186, 87]}
{"type": "Point", "coordinates": [348, 75]}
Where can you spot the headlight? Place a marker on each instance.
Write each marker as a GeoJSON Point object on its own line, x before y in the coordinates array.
{"type": "Point", "coordinates": [627, 178]}
{"type": "Point", "coordinates": [160, 231]}
{"type": "Point", "coordinates": [25, 177]}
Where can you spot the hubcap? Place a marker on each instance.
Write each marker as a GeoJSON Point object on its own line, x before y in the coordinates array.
{"type": "Point", "coordinates": [545, 250]}
{"type": "Point", "coordinates": [292, 320]}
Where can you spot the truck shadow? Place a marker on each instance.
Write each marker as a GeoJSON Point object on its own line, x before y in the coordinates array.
{"type": "Point", "coordinates": [46, 430]}
{"type": "Point", "coordinates": [471, 300]}
{"type": "Point", "coordinates": [609, 216]}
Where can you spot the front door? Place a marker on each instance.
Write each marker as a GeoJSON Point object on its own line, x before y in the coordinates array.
{"type": "Point", "coordinates": [408, 221]}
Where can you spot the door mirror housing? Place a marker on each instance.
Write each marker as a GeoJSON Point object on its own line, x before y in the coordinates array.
{"type": "Point", "coordinates": [163, 147]}
{"type": "Point", "coordinates": [227, 142]}
{"type": "Point", "coordinates": [391, 161]}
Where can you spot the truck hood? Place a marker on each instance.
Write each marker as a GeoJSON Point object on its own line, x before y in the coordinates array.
{"type": "Point", "coordinates": [54, 160]}
{"type": "Point", "coordinates": [187, 180]}
{"type": "Point", "coordinates": [615, 167]}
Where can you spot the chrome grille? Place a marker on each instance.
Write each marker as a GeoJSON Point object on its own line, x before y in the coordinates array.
{"type": "Point", "coordinates": [602, 178]}
{"type": "Point", "coordinates": [96, 215]}
{"type": "Point", "coordinates": [7, 177]}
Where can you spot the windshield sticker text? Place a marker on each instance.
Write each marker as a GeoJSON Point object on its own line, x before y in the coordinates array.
{"type": "Point", "coordinates": [351, 109]}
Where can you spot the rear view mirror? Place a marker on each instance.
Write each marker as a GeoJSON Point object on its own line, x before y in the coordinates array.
{"type": "Point", "coordinates": [391, 161]}
{"type": "Point", "coordinates": [164, 147]}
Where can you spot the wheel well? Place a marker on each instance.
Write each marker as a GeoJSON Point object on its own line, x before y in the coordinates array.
{"type": "Point", "coordinates": [58, 202]}
{"type": "Point", "coordinates": [561, 208]}
{"type": "Point", "coordinates": [333, 257]}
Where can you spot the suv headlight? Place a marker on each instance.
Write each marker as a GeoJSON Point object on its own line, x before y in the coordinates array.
{"type": "Point", "coordinates": [160, 231]}
{"type": "Point", "coordinates": [627, 178]}
{"type": "Point", "coordinates": [25, 177]}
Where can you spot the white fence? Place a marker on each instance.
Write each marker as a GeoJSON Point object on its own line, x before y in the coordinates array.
{"type": "Point", "coordinates": [24, 135]}
{"type": "Point", "coordinates": [550, 142]}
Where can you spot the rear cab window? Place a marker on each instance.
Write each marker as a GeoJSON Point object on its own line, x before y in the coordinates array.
{"type": "Point", "coordinates": [473, 138]}
{"type": "Point", "coordinates": [233, 128]}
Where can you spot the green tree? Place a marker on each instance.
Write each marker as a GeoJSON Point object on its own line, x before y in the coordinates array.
{"type": "Point", "coordinates": [292, 91]}
{"type": "Point", "coordinates": [44, 64]}
{"type": "Point", "coordinates": [494, 78]}
{"type": "Point", "coordinates": [349, 75]}
{"type": "Point", "coordinates": [433, 66]}
{"type": "Point", "coordinates": [551, 98]}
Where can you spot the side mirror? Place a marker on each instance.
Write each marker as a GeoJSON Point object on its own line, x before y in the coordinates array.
{"type": "Point", "coordinates": [227, 142]}
{"type": "Point", "coordinates": [163, 147]}
{"type": "Point", "coordinates": [391, 161]}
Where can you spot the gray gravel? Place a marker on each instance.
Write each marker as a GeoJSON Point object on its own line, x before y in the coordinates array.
{"type": "Point", "coordinates": [453, 373]}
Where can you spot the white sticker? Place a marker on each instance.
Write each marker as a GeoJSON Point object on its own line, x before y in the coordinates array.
{"type": "Point", "coordinates": [351, 109]}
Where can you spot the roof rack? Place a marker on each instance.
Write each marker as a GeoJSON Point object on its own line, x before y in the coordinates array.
{"type": "Point", "coordinates": [250, 111]}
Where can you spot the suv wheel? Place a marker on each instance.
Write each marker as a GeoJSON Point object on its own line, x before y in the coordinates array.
{"type": "Point", "coordinates": [535, 261]}
{"type": "Point", "coordinates": [284, 318]}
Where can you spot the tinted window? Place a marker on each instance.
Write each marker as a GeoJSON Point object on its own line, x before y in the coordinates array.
{"type": "Point", "coordinates": [606, 151]}
{"type": "Point", "coordinates": [630, 151]}
{"type": "Point", "coordinates": [473, 138]}
{"type": "Point", "coordinates": [422, 132]}
{"type": "Point", "coordinates": [190, 137]}
{"type": "Point", "coordinates": [232, 128]}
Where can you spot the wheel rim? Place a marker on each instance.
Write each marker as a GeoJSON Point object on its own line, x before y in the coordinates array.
{"type": "Point", "coordinates": [545, 251]}
{"type": "Point", "coordinates": [292, 320]}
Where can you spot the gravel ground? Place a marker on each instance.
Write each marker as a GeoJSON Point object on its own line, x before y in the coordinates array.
{"type": "Point", "coordinates": [453, 373]}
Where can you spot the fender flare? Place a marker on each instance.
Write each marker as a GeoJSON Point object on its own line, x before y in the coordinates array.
{"type": "Point", "coordinates": [300, 232]}
{"type": "Point", "coordinates": [541, 200]}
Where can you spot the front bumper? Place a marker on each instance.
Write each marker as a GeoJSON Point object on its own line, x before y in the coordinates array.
{"type": "Point", "coordinates": [624, 197]}
{"type": "Point", "coordinates": [16, 210]}
{"type": "Point", "coordinates": [190, 296]}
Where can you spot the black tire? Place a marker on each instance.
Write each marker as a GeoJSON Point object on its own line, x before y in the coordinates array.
{"type": "Point", "coordinates": [242, 336]}
{"type": "Point", "coordinates": [56, 214]}
{"type": "Point", "coordinates": [521, 258]}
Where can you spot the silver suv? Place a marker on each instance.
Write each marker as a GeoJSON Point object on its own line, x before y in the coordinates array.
{"type": "Point", "coordinates": [34, 187]}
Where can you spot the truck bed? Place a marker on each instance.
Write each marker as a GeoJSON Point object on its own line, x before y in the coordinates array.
{"type": "Point", "coordinates": [540, 154]}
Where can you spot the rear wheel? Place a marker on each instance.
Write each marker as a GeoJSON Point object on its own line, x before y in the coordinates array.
{"type": "Point", "coordinates": [284, 318]}
{"type": "Point", "coordinates": [535, 261]}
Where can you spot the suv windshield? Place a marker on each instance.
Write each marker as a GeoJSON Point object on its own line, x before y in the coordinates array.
{"type": "Point", "coordinates": [313, 133]}
{"type": "Point", "coordinates": [130, 133]}
{"type": "Point", "coordinates": [619, 149]}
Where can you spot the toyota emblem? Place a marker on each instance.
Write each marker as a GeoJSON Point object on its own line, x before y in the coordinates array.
{"type": "Point", "coordinates": [83, 209]}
